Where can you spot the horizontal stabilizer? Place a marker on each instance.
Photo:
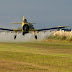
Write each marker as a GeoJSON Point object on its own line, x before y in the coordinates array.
{"type": "Point", "coordinates": [32, 23]}
{"type": "Point", "coordinates": [16, 23]}
{"type": "Point", "coordinates": [24, 23]}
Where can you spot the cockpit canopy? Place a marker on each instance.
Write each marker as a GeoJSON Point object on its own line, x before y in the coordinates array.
{"type": "Point", "coordinates": [25, 20]}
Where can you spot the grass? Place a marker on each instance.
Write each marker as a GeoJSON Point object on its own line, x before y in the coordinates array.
{"type": "Point", "coordinates": [46, 56]}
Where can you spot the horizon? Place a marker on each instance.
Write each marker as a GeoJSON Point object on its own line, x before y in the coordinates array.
{"type": "Point", "coordinates": [46, 13]}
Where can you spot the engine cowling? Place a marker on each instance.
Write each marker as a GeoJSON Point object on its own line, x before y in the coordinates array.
{"type": "Point", "coordinates": [25, 29]}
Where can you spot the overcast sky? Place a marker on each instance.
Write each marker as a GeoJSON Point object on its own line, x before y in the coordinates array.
{"type": "Point", "coordinates": [44, 12]}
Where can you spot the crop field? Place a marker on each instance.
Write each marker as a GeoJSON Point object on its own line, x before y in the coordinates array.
{"type": "Point", "coordinates": [38, 56]}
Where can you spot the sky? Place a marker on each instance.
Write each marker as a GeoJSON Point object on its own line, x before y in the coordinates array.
{"type": "Point", "coordinates": [46, 13]}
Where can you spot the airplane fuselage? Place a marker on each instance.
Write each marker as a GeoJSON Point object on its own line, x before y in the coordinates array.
{"type": "Point", "coordinates": [26, 26]}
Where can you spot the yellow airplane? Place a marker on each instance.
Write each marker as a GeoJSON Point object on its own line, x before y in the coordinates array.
{"type": "Point", "coordinates": [28, 28]}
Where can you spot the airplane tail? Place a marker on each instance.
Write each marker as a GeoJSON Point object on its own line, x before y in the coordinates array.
{"type": "Point", "coordinates": [19, 23]}
{"type": "Point", "coordinates": [24, 22]}
{"type": "Point", "coordinates": [23, 18]}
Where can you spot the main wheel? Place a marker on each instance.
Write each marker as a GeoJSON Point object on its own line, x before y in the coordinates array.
{"type": "Point", "coordinates": [35, 36]}
{"type": "Point", "coordinates": [15, 37]}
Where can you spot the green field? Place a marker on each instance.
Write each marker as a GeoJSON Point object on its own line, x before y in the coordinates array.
{"type": "Point", "coordinates": [39, 56]}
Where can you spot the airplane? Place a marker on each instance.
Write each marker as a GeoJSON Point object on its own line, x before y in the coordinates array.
{"type": "Point", "coordinates": [28, 28]}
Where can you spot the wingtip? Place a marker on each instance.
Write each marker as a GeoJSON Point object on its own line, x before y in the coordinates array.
{"type": "Point", "coordinates": [63, 26]}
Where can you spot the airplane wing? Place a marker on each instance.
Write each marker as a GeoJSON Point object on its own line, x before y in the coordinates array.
{"type": "Point", "coordinates": [10, 29]}
{"type": "Point", "coordinates": [16, 30]}
{"type": "Point", "coordinates": [59, 27]}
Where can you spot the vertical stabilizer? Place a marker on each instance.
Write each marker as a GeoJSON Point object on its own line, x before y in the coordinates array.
{"type": "Point", "coordinates": [23, 18]}
{"type": "Point", "coordinates": [23, 21]}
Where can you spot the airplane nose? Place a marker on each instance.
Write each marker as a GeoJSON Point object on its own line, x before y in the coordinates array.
{"type": "Point", "coordinates": [26, 28]}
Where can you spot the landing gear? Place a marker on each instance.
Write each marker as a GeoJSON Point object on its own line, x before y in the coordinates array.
{"type": "Point", "coordinates": [24, 33]}
{"type": "Point", "coordinates": [35, 36]}
{"type": "Point", "coordinates": [15, 37]}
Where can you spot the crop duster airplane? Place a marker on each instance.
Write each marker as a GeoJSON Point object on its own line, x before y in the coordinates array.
{"type": "Point", "coordinates": [28, 28]}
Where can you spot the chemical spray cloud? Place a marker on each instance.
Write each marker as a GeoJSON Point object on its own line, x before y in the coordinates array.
{"type": "Point", "coordinates": [9, 37]}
